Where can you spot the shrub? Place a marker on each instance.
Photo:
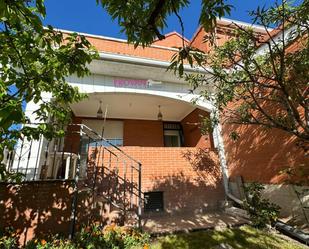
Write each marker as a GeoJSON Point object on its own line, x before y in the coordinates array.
{"type": "Point", "coordinates": [8, 240]}
{"type": "Point", "coordinates": [111, 237]}
{"type": "Point", "coordinates": [54, 242]}
{"type": "Point", "coordinates": [91, 237]}
{"type": "Point", "coordinates": [261, 211]}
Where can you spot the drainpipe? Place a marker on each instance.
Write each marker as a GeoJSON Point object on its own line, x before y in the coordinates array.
{"type": "Point", "coordinates": [219, 144]}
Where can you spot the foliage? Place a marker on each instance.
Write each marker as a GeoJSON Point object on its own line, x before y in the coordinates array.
{"type": "Point", "coordinates": [258, 78]}
{"type": "Point", "coordinates": [94, 237]}
{"type": "Point", "coordinates": [53, 243]}
{"type": "Point", "coordinates": [8, 240]}
{"type": "Point", "coordinates": [244, 237]}
{"type": "Point", "coordinates": [142, 21]}
{"type": "Point", "coordinates": [34, 63]}
{"type": "Point", "coordinates": [261, 211]}
{"type": "Point", "coordinates": [111, 237]}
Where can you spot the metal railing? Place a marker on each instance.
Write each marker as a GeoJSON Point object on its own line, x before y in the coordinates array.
{"type": "Point", "coordinates": [88, 159]}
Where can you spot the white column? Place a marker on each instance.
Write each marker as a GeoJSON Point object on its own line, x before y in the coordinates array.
{"type": "Point", "coordinates": [28, 154]}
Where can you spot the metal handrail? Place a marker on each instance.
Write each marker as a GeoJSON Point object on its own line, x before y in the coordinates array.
{"type": "Point", "coordinates": [63, 158]}
{"type": "Point", "coordinates": [105, 140]}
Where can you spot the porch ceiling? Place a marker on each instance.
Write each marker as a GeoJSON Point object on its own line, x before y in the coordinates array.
{"type": "Point", "coordinates": [132, 106]}
{"type": "Point", "coordinates": [127, 70]}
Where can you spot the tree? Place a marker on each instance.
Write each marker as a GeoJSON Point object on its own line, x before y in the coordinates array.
{"type": "Point", "coordinates": [143, 20]}
{"type": "Point", "coordinates": [256, 80]}
{"type": "Point", "coordinates": [260, 80]}
{"type": "Point", "coordinates": [34, 61]}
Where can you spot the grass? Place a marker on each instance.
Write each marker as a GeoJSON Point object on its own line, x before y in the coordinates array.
{"type": "Point", "coordinates": [237, 238]}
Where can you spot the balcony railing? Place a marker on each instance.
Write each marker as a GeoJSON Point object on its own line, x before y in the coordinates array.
{"type": "Point", "coordinates": [86, 158]}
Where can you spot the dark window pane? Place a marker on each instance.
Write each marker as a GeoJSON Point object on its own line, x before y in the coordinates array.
{"type": "Point", "coordinates": [153, 202]}
{"type": "Point", "coordinates": [172, 126]}
{"type": "Point", "coordinates": [171, 141]}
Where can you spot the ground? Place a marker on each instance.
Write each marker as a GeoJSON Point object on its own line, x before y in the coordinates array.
{"type": "Point", "coordinates": [167, 223]}
{"type": "Point", "coordinates": [244, 237]}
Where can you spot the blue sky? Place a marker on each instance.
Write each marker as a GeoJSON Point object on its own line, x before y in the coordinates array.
{"type": "Point", "coordinates": [86, 16]}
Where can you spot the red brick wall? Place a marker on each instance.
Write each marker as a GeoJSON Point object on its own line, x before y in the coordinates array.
{"type": "Point", "coordinates": [149, 133]}
{"type": "Point", "coordinates": [34, 209]}
{"type": "Point", "coordinates": [189, 177]}
{"type": "Point", "coordinates": [260, 155]}
{"type": "Point", "coordinates": [171, 40]}
{"type": "Point", "coordinates": [192, 131]}
{"type": "Point", "coordinates": [143, 133]}
{"type": "Point", "coordinates": [72, 140]}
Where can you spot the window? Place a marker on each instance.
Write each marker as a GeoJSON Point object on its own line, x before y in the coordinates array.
{"type": "Point", "coordinates": [153, 201]}
{"type": "Point", "coordinates": [113, 130]}
{"type": "Point", "coordinates": [172, 135]}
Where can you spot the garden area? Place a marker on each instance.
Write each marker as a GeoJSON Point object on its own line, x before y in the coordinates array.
{"type": "Point", "coordinates": [114, 237]}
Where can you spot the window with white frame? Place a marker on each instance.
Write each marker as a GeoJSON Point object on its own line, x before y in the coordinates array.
{"type": "Point", "coordinates": [172, 133]}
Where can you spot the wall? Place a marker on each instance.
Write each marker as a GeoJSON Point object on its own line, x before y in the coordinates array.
{"type": "Point", "coordinates": [190, 177]}
{"type": "Point", "coordinates": [285, 196]}
{"type": "Point", "coordinates": [192, 130]}
{"type": "Point", "coordinates": [41, 207]}
{"type": "Point", "coordinates": [143, 133]}
{"type": "Point", "coordinates": [171, 40]}
{"type": "Point", "coordinates": [72, 140]}
{"type": "Point", "coordinates": [149, 133]}
{"type": "Point", "coordinates": [260, 155]}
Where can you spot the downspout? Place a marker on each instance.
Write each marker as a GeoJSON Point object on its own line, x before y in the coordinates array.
{"type": "Point", "coordinates": [219, 145]}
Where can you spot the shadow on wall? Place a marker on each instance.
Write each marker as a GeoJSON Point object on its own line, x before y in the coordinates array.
{"type": "Point", "coordinates": [198, 188]}
{"type": "Point", "coordinates": [38, 208]}
{"type": "Point", "coordinates": [110, 178]}
{"type": "Point", "coordinates": [44, 207]}
{"type": "Point", "coordinates": [260, 154]}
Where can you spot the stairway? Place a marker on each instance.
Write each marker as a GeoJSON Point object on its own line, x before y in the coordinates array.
{"type": "Point", "coordinates": [112, 177]}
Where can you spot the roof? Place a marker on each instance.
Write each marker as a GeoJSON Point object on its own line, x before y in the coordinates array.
{"type": "Point", "coordinates": [225, 22]}
{"type": "Point", "coordinates": [160, 50]}
{"type": "Point", "coordinates": [172, 39]}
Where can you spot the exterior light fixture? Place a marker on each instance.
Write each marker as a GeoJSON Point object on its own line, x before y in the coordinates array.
{"type": "Point", "coordinates": [160, 116]}
{"type": "Point", "coordinates": [100, 112]}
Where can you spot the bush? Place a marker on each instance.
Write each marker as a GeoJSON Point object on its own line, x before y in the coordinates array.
{"type": "Point", "coordinates": [91, 237]}
{"type": "Point", "coordinates": [111, 237]}
{"type": "Point", "coordinates": [54, 242]}
{"type": "Point", "coordinates": [8, 240]}
{"type": "Point", "coordinates": [261, 211]}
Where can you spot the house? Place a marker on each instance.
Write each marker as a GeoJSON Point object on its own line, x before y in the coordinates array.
{"type": "Point", "coordinates": [135, 144]}
{"type": "Point", "coordinates": [261, 155]}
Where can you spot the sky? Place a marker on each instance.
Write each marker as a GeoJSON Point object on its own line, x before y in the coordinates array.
{"type": "Point", "coordinates": [88, 17]}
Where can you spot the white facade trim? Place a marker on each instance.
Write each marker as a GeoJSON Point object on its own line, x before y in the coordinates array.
{"type": "Point", "coordinates": [147, 62]}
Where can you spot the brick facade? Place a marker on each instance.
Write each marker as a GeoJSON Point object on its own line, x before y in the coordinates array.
{"type": "Point", "coordinates": [260, 155]}
{"type": "Point", "coordinates": [37, 208]}
{"type": "Point", "coordinates": [143, 133]}
{"type": "Point", "coordinates": [171, 40]}
{"type": "Point", "coordinates": [191, 126]}
{"type": "Point", "coordinates": [189, 177]}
